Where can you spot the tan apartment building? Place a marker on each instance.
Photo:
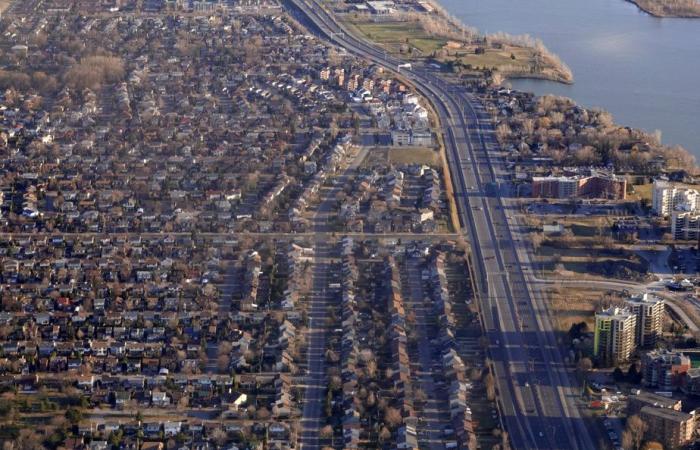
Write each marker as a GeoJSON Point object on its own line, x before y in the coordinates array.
{"type": "Point", "coordinates": [649, 310]}
{"type": "Point", "coordinates": [614, 338]}
{"type": "Point", "coordinates": [673, 429]}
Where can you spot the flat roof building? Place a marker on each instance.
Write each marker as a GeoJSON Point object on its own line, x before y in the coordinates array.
{"type": "Point", "coordinates": [643, 398]}
{"type": "Point", "coordinates": [649, 310]}
{"type": "Point", "coordinates": [673, 429]}
{"type": "Point", "coordinates": [594, 185]}
{"type": "Point", "coordinates": [664, 370]}
{"type": "Point", "coordinates": [614, 338]}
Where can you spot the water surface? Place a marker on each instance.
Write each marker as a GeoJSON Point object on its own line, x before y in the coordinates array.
{"type": "Point", "coordinates": [644, 70]}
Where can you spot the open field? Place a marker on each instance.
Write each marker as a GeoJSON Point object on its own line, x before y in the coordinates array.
{"type": "Point", "coordinates": [506, 59]}
{"type": "Point", "coordinates": [573, 305]}
{"type": "Point", "coordinates": [4, 4]}
{"type": "Point", "coordinates": [642, 191]}
{"type": "Point", "coordinates": [402, 155]}
{"type": "Point", "coordinates": [591, 262]}
{"type": "Point", "coordinates": [413, 155]}
{"type": "Point", "coordinates": [411, 40]}
{"type": "Point", "coordinates": [394, 34]}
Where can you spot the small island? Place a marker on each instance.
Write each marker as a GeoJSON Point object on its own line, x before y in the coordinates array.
{"type": "Point", "coordinates": [669, 8]}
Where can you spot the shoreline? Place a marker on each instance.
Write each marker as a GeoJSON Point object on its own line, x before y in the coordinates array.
{"type": "Point", "coordinates": [562, 73]}
{"type": "Point", "coordinates": [538, 56]}
{"type": "Point", "coordinates": [537, 76]}
{"type": "Point", "coordinates": [664, 15]}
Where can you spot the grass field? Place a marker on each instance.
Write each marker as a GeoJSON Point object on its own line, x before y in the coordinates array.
{"type": "Point", "coordinates": [413, 155]}
{"type": "Point", "coordinates": [412, 39]}
{"type": "Point", "coordinates": [401, 156]}
{"type": "Point", "coordinates": [393, 34]}
{"type": "Point", "coordinates": [642, 191]}
{"type": "Point", "coordinates": [499, 58]}
{"type": "Point", "coordinates": [572, 306]}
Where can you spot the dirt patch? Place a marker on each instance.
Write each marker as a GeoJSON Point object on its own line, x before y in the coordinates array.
{"type": "Point", "coordinates": [570, 305]}
{"type": "Point", "coordinates": [618, 263]}
{"type": "Point", "coordinates": [413, 155]}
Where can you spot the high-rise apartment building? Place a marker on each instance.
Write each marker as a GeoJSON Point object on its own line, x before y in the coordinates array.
{"type": "Point", "coordinates": [685, 225]}
{"type": "Point", "coordinates": [614, 339]}
{"type": "Point", "coordinates": [649, 310]}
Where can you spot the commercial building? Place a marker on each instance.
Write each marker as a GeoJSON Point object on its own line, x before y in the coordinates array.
{"type": "Point", "coordinates": [673, 429]}
{"type": "Point", "coordinates": [666, 197]}
{"type": "Point", "coordinates": [412, 137]}
{"type": "Point", "coordinates": [649, 310]}
{"type": "Point", "coordinates": [614, 339]}
{"type": "Point", "coordinates": [593, 185]}
{"type": "Point", "coordinates": [665, 370]}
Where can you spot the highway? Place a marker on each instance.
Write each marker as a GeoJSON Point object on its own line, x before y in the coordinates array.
{"type": "Point", "coordinates": [536, 395]}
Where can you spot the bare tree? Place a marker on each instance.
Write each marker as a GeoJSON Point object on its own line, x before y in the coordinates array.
{"type": "Point", "coordinates": [93, 71]}
{"type": "Point", "coordinates": [584, 365]}
{"type": "Point", "coordinates": [392, 417]}
{"type": "Point", "coordinates": [384, 435]}
{"type": "Point", "coordinates": [28, 440]}
{"type": "Point", "coordinates": [634, 430]}
{"type": "Point", "coordinates": [326, 432]}
{"type": "Point", "coordinates": [490, 384]}
{"type": "Point", "coordinates": [219, 436]}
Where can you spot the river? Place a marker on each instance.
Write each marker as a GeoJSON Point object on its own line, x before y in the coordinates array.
{"type": "Point", "coordinates": [642, 69]}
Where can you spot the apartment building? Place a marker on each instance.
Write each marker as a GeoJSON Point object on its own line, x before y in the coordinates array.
{"type": "Point", "coordinates": [614, 338]}
{"type": "Point", "coordinates": [666, 197]}
{"type": "Point", "coordinates": [685, 225]}
{"type": "Point", "coordinates": [640, 399]}
{"type": "Point", "coordinates": [664, 370]}
{"type": "Point", "coordinates": [649, 310]}
{"type": "Point", "coordinates": [593, 185]}
{"type": "Point", "coordinates": [673, 429]}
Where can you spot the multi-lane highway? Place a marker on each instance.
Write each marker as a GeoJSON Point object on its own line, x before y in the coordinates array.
{"type": "Point", "coordinates": [537, 398]}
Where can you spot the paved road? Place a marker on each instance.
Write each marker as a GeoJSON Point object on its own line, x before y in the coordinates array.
{"type": "Point", "coordinates": [435, 412]}
{"type": "Point", "coordinates": [322, 300]}
{"type": "Point", "coordinates": [671, 301]}
{"type": "Point", "coordinates": [226, 289]}
{"type": "Point", "coordinates": [537, 397]}
{"type": "Point", "coordinates": [236, 235]}
{"type": "Point", "coordinates": [313, 417]}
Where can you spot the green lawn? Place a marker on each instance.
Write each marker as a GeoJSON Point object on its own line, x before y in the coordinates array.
{"type": "Point", "coordinates": [394, 34]}
{"type": "Point", "coordinates": [397, 33]}
{"type": "Point", "coordinates": [500, 58]}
